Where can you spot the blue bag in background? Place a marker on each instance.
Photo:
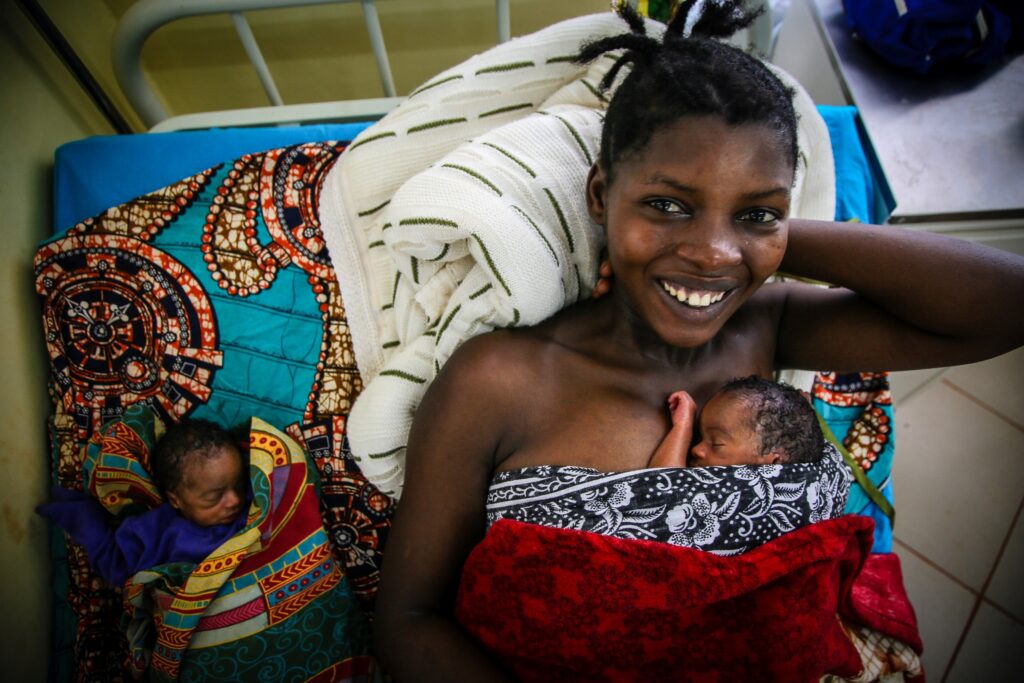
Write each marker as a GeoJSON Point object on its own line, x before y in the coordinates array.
{"type": "Point", "coordinates": [923, 34]}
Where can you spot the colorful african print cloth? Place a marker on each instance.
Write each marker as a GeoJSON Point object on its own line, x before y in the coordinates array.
{"type": "Point", "coordinates": [212, 297]}
{"type": "Point", "coordinates": [857, 409]}
{"type": "Point", "coordinates": [725, 510]}
{"type": "Point", "coordinates": [881, 656]}
{"type": "Point", "coordinates": [271, 603]}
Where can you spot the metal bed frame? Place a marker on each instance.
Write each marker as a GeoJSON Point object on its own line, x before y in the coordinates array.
{"type": "Point", "coordinates": [146, 16]}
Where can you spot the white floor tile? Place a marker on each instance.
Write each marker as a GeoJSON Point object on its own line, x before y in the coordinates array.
{"type": "Point", "coordinates": [942, 608]}
{"type": "Point", "coordinates": [996, 382]}
{"type": "Point", "coordinates": [992, 650]}
{"type": "Point", "coordinates": [958, 478]}
{"type": "Point", "coordinates": [905, 384]}
{"type": "Point", "coordinates": [1005, 589]}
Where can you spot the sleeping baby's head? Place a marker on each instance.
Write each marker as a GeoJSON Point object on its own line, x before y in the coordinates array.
{"type": "Point", "coordinates": [752, 421]}
{"type": "Point", "coordinates": [201, 472]}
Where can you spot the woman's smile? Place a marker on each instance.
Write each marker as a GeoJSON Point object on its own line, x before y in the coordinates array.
{"type": "Point", "coordinates": [694, 297]}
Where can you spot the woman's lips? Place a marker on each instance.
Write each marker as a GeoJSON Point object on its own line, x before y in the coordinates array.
{"type": "Point", "coordinates": [692, 297]}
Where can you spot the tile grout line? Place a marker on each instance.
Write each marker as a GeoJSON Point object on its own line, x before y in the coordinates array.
{"type": "Point", "coordinates": [1007, 613]}
{"type": "Point", "coordinates": [982, 404]}
{"type": "Point", "coordinates": [961, 639]}
{"type": "Point", "coordinates": [937, 567]}
{"type": "Point", "coordinates": [984, 589]}
{"type": "Point", "coordinates": [920, 387]}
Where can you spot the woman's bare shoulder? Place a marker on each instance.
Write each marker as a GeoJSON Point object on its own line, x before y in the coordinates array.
{"type": "Point", "coordinates": [502, 357]}
{"type": "Point", "coordinates": [493, 372]}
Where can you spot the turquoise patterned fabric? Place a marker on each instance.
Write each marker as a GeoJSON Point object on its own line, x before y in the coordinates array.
{"type": "Point", "coordinates": [210, 296]}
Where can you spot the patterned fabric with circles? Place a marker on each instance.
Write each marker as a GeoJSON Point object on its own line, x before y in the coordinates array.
{"type": "Point", "coordinates": [213, 297]}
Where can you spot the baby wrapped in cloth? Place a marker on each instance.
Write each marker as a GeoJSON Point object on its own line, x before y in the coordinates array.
{"type": "Point", "coordinates": [704, 574]}
{"type": "Point", "coordinates": [775, 473]}
{"type": "Point", "coordinates": [772, 546]}
{"type": "Point", "coordinates": [269, 600]}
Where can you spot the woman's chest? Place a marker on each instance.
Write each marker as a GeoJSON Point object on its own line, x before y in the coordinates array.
{"type": "Point", "coordinates": [611, 419]}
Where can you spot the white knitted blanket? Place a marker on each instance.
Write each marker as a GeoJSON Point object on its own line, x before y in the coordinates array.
{"type": "Point", "coordinates": [464, 210]}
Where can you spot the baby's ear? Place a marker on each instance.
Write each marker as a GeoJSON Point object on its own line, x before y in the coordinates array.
{"type": "Point", "coordinates": [173, 499]}
{"type": "Point", "coordinates": [772, 459]}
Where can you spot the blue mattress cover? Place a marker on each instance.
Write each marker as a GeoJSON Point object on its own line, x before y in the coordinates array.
{"type": "Point", "coordinates": [96, 173]}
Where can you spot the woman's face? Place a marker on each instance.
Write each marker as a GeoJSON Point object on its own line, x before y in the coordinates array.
{"type": "Point", "coordinates": [695, 223]}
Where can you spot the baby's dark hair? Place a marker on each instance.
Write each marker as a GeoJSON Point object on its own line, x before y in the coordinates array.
{"type": "Point", "coordinates": [692, 75]}
{"type": "Point", "coordinates": [188, 438]}
{"type": "Point", "coordinates": [783, 419]}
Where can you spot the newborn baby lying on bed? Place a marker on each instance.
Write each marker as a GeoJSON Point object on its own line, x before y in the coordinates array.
{"type": "Point", "coordinates": [749, 421]}
{"type": "Point", "coordinates": [201, 473]}
{"type": "Point", "coordinates": [761, 469]}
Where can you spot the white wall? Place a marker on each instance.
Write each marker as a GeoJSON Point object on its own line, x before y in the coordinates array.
{"type": "Point", "coordinates": [41, 107]}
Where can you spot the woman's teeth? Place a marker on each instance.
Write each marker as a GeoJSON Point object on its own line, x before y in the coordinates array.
{"type": "Point", "coordinates": [693, 297]}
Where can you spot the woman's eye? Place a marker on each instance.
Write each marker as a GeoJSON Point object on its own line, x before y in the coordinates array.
{"type": "Point", "coordinates": [666, 206]}
{"type": "Point", "coordinates": [760, 216]}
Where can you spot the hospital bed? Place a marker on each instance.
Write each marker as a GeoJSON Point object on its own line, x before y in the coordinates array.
{"type": "Point", "coordinates": [221, 300]}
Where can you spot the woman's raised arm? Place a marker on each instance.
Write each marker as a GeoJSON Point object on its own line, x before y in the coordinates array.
{"type": "Point", "coordinates": [906, 299]}
{"type": "Point", "coordinates": [440, 517]}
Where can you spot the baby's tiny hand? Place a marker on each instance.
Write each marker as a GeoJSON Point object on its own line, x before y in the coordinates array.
{"type": "Point", "coordinates": [682, 406]}
{"type": "Point", "coordinates": [676, 444]}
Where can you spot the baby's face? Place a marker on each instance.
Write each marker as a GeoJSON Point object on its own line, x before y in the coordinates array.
{"type": "Point", "coordinates": [212, 488]}
{"type": "Point", "coordinates": [727, 438]}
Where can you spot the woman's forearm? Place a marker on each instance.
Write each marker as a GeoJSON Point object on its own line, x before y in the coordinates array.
{"type": "Point", "coordinates": [938, 284]}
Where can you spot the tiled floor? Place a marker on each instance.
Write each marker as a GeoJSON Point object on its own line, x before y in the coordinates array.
{"type": "Point", "coordinates": [959, 478]}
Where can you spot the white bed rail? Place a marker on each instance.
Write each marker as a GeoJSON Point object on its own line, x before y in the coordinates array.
{"type": "Point", "coordinates": [146, 16]}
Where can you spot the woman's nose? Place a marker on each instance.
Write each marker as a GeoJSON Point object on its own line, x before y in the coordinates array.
{"type": "Point", "coordinates": [712, 246]}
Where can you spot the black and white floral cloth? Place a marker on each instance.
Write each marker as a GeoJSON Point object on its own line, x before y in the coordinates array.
{"type": "Point", "coordinates": [725, 510]}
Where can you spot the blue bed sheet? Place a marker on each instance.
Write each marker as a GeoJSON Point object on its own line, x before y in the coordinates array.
{"type": "Point", "coordinates": [97, 173]}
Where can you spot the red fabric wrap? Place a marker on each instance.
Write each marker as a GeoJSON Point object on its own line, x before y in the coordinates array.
{"type": "Point", "coordinates": [880, 601]}
{"type": "Point", "coordinates": [565, 605]}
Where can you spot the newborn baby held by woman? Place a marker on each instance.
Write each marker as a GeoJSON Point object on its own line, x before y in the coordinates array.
{"type": "Point", "coordinates": [749, 421]}
{"type": "Point", "coordinates": [692, 188]}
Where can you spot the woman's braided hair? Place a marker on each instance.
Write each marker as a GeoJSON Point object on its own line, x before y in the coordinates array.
{"type": "Point", "coordinates": [687, 73]}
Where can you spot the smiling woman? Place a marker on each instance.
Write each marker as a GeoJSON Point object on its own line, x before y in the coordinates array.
{"type": "Point", "coordinates": [692, 188]}
{"type": "Point", "coordinates": [696, 224]}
